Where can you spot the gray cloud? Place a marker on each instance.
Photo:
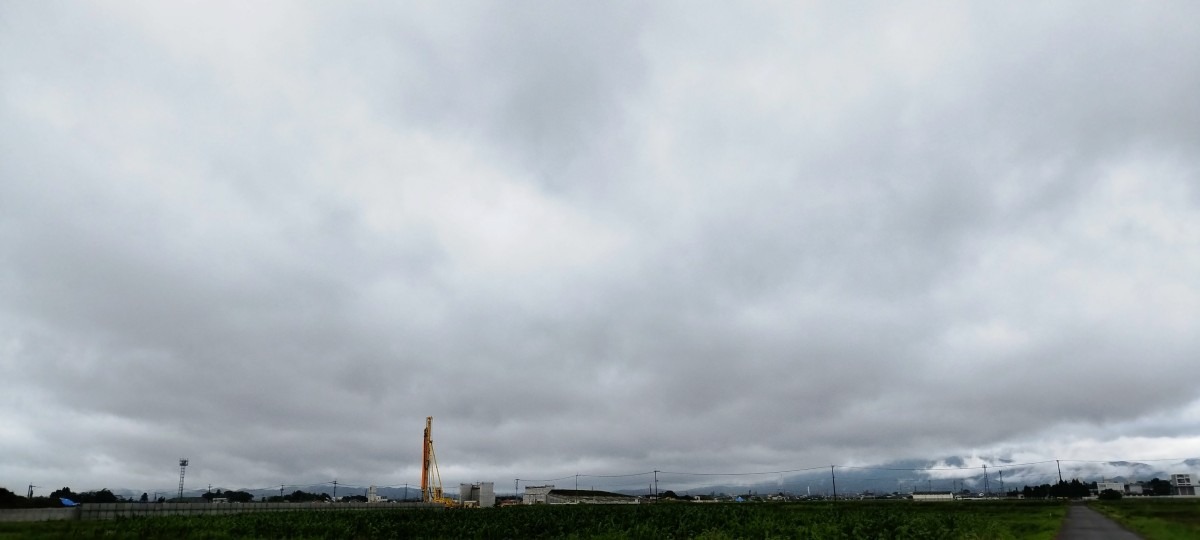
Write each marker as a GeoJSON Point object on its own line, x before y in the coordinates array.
{"type": "Point", "coordinates": [590, 239]}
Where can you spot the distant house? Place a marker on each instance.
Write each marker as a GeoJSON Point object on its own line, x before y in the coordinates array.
{"type": "Point", "coordinates": [1181, 484]}
{"type": "Point", "coordinates": [933, 496]}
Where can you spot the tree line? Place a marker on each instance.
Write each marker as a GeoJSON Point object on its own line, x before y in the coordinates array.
{"type": "Point", "coordinates": [1077, 490]}
{"type": "Point", "coordinates": [8, 499]}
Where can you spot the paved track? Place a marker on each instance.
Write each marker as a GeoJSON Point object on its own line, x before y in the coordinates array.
{"type": "Point", "coordinates": [1083, 523]}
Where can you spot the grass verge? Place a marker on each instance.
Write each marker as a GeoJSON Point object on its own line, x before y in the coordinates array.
{"type": "Point", "coordinates": [1155, 518]}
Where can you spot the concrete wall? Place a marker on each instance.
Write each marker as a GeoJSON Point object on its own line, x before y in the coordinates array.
{"type": "Point", "coordinates": [39, 514]}
{"type": "Point", "coordinates": [115, 510]}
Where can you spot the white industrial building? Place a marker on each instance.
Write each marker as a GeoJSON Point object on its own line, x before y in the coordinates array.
{"type": "Point", "coordinates": [482, 494]}
{"type": "Point", "coordinates": [1181, 484]}
{"type": "Point", "coordinates": [1118, 487]}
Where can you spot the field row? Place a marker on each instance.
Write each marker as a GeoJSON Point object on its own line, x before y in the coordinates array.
{"type": "Point", "coordinates": [879, 520]}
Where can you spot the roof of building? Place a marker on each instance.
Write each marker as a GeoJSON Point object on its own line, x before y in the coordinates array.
{"type": "Point", "coordinates": [587, 493]}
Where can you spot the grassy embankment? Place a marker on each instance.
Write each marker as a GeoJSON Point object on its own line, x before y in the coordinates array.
{"type": "Point", "coordinates": [974, 520]}
{"type": "Point", "coordinates": [1155, 518]}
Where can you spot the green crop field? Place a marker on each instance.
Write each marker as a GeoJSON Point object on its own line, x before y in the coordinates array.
{"type": "Point", "coordinates": [849, 520]}
{"type": "Point", "coordinates": [1155, 518]}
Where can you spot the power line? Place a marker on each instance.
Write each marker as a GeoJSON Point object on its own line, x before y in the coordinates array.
{"type": "Point", "coordinates": [647, 473]}
{"type": "Point", "coordinates": [744, 473]}
{"type": "Point", "coordinates": [528, 480]}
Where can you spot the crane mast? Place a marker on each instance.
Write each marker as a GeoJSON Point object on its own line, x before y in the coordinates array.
{"type": "Point", "coordinates": [431, 479]}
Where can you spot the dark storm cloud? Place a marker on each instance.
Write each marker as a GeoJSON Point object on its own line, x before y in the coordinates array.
{"type": "Point", "coordinates": [610, 239]}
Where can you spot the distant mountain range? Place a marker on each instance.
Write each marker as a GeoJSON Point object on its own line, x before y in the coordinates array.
{"type": "Point", "coordinates": [950, 474]}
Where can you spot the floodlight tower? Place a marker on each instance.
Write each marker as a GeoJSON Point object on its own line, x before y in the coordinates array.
{"type": "Point", "coordinates": [183, 463]}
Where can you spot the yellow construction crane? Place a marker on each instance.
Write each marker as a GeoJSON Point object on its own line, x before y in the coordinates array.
{"type": "Point", "coordinates": [431, 479]}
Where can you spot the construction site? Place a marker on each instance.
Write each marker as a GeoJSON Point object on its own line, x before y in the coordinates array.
{"type": "Point", "coordinates": [479, 495]}
{"type": "Point", "coordinates": [483, 494]}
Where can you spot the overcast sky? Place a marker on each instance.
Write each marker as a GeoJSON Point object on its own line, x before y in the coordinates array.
{"type": "Point", "coordinates": [592, 237]}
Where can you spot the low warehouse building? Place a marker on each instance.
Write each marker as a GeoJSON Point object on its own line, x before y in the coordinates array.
{"type": "Point", "coordinates": [536, 494]}
{"type": "Point", "coordinates": [587, 496]}
{"type": "Point", "coordinates": [933, 496]}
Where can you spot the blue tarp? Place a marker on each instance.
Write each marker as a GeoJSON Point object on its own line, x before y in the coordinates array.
{"type": "Point", "coordinates": [68, 502]}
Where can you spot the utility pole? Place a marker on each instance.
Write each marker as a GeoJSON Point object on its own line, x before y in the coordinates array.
{"type": "Point", "coordinates": [280, 491]}
{"type": "Point", "coordinates": [335, 490]}
{"type": "Point", "coordinates": [656, 485]}
{"type": "Point", "coordinates": [576, 481]}
{"type": "Point", "coordinates": [1056, 462]}
{"type": "Point", "coordinates": [987, 491]}
{"type": "Point", "coordinates": [30, 495]}
{"type": "Point", "coordinates": [516, 488]}
{"type": "Point", "coordinates": [834, 477]}
{"type": "Point", "coordinates": [1002, 492]}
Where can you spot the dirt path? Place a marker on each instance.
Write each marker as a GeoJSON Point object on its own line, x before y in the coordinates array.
{"type": "Point", "coordinates": [1083, 523]}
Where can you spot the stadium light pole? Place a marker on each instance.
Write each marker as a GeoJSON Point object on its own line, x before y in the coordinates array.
{"type": "Point", "coordinates": [183, 463]}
